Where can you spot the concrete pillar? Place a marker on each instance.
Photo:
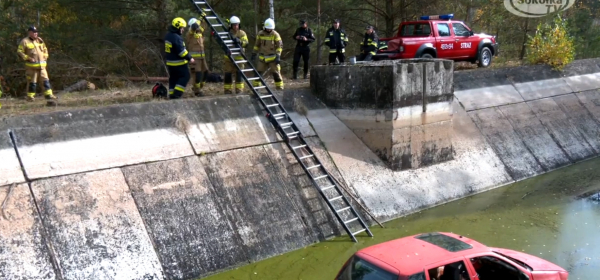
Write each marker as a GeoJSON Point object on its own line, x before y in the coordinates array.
{"type": "Point", "coordinates": [401, 109]}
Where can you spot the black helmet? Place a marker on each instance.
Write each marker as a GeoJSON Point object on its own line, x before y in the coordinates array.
{"type": "Point", "coordinates": [32, 28]}
{"type": "Point", "coordinates": [336, 21]}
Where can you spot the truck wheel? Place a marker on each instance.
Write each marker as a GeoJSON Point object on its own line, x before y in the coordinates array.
{"type": "Point", "coordinates": [426, 55]}
{"type": "Point", "coordinates": [485, 57]}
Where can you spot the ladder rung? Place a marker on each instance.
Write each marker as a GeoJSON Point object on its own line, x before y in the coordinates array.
{"type": "Point", "coordinates": [227, 41]}
{"type": "Point", "coordinates": [298, 147]}
{"type": "Point", "coordinates": [217, 25]}
{"type": "Point", "coordinates": [260, 87]}
{"type": "Point", "coordinates": [273, 105]}
{"type": "Point", "coordinates": [320, 177]}
{"type": "Point", "coordinates": [223, 33]}
{"type": "Point", "coordinates": [343, 209]}
{"type": "Point", "coordinates": [314, 166]}
{"type": "Point", "coordinates": [279, 114]}
{"type": "Point", "coordinates": [211, 17]}
{"type": "Point", "coordinates": [254, 78]}
{"type": "Point", "coordinates": [207, 10]}
{"type": "Point", "coordinates": [235, 53]}
{"type": "Point", "coordinates": [235, 49]}
{"type": "Point", "coordinates": [199, 2]}
{"type": "Point", "coordinates": [305, 157]}
{"type": "Point", "coordinates": [364, 229]}
{"type": "Point", "coordinates": [326, 188]}
{"type": "Point", "coordinates": [247, 70]}
{"type": "Point", "coordinates": [350, 221]}
{"type": "Point", "coordinates": [266, 96]}
{"type": "Point", "coordinates": [336, 198]}
{"type": "Point", "coordinates": [241, 61]}
{"type": "Point", "coordinates": [288, 124]}
{"type": "Point", "coordinates": [293, 133]}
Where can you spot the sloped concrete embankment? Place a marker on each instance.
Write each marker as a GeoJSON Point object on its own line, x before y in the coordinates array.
{"type": "Point", "coordinates": [165, 190]}
{"type": "Point", "coordinates": [508, 125]}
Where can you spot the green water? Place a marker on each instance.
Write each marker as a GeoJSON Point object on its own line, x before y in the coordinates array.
{"type": "Point", "coordinates": [543, 216]}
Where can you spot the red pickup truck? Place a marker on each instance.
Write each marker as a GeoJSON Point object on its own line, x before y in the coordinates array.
{"type": "Point", "coordinates": [438, 36]}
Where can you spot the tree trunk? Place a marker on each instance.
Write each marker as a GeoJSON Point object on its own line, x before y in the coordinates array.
{"type": "Point", "coordinates": [389, 18]}
{"type": "Point", "coordinates": [271, 10]}
{"type": "Point", "coordinates": [319, 32]}
{"type": "Point", "coordinates": [524, 39]}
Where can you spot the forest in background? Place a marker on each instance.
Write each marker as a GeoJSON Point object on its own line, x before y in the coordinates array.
{"type": "Point", "coordinates": [119, 39]}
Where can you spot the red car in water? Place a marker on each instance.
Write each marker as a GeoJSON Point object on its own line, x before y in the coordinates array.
{"type": "Point", "coordinates": [445, 256]}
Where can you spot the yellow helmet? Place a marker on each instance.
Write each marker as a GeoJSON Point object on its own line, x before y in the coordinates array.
{"type": "Point", "coordinates": [179, 23]}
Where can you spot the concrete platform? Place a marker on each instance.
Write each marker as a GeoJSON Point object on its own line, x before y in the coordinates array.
{"type": "Point", "coordinates": [584, 82]}
{"type": "Point", "coordinates": [563, 130]}
{"type": "Point", "coordinates": [581, 118]}
{"type": "Point", "coordinates": [474, 99]}
{"type": "Point", "coordinates": [390, 194]}
{"type": "Point", "coordinates": [225, 123]}
{"type": "Point", "coordinates": [10, 169]}
{"type": "Point", "coordinates": [255, 199]}
{"type": "Point", "coordinates": [535, 137]}
{"type": "Point", "coordinates": [541, 89]}
{"type": "Point", "coordinates": [24, 253]}
{"type": "Point", "coordinates": [591, 101]}
{"type": "Point", "coordinates": [507, 144]}
{"type": "Point", "coordinates": [95, 227]}
{"type": "Point", "coordinates": [184, 218]}
{"type": "Point", "coordinates": [71, 142]}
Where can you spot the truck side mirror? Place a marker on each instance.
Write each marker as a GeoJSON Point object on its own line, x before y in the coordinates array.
{"type": "Point", "coordinates": [471, 33]}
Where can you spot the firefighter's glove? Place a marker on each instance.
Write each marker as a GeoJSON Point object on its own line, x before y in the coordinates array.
{"type": "Point", "coordinates": [237, 41]}
{"type": "Point", "coordinates": [277, 58]}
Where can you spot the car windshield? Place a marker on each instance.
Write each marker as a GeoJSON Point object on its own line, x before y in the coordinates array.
{"type": "Point", "coordinates": [444, 241]}
{"type": "Point", "coordinates": [359, 269]}
{"type": "Point", "coordinates": [415, 29]}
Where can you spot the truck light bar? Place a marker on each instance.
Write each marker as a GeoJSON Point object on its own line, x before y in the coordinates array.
{"type": "Point", "coordinates": [447, 16]}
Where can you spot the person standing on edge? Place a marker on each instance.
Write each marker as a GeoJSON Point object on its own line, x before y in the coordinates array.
{"type": "Point", "coordinates": [199, 69]}
{"type": "Point", "coordinates": [241, 41]}
{"type": "Point", "coordinates": [269, 47]}
{"type": "Point", "coordinates": [304, 36]}
{"type": "Point", "coordinates": [337, 40]}
{"type": "Point", "coordinates": [35, 53]}
{"type": "Point", "coordinates": [177, 58]}
{"type": "Point", "coordinates": [369, 45]}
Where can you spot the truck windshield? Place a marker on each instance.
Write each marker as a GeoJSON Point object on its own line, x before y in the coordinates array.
{"type": "Point", "coordinates": [415, 29]}
{"type": "Point", "coordinates": [359, 269]}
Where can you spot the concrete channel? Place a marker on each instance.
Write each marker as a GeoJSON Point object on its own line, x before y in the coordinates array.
{"type": "Point", "coordinates": [185, 189]}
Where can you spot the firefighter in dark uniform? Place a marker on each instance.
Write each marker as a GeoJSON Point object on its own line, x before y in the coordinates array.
{"type": "Point", "coordinates": [337, 40]}
{"type": "Point", "coordinates": [369, 45]}
{"type": "Point", "coordinates": [177, 58]}
{"type": "Point", "coordinates": [303, 36]}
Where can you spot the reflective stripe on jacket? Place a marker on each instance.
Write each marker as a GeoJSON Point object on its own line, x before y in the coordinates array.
{"type": "Point", "coordinates": [268, 45]}
{"type": "Point", "coordinates": [175, 52]}
{"type": "Point", "coordinates": [36, 49]}
{"type": "Point", "coordinates": [370, 43]}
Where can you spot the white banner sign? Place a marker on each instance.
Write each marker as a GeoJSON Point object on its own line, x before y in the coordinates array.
{"type": "Point", "coordinates": [537, 8]}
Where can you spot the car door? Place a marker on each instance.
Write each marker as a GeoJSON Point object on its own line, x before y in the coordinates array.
{"type": "Point", "coordinates": [450, 269]}
{"type": "Point", "coordinates": [490, 266]}
{"type": "Point", "coordinates": [466, 45]}
{"type": "Point", "coordinates": [445, 43]}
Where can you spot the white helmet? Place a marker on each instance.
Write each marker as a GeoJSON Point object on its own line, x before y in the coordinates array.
{"type": "Point", "coordinates": [192, 21]}
{"type": "Point", "coordinates": [269, 24]}
{"type": "Point", "coordinates": [234, 20]}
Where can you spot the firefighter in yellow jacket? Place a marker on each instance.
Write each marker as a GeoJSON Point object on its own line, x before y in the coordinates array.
{"type": "Point", "coordinates": [195, 44]}
{"type": "Point", "coordinates": [241, 41]}
{"type": "Point", "coordinates": [35, 53]}
{"type": "Point", "coordinates": [269, 47]}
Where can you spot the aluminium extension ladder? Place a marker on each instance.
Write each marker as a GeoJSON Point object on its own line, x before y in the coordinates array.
{"type": "Point", "coordinates": [321, 179]}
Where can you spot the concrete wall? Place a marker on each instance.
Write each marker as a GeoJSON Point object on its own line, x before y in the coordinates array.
{"type": "Point", "coordinates": [183, 189]}
{"type": "Point", "coordinates": [162, 190]}
{"type": "Point", "coordinates": [401, 109]}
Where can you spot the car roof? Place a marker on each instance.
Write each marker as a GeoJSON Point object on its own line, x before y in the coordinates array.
{"type": "Point", "coordinates": [410, 255]}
